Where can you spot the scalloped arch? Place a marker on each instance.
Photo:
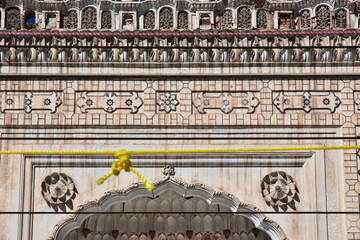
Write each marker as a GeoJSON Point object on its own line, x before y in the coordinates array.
{"type": "Point", "coordinates": [261, 222]}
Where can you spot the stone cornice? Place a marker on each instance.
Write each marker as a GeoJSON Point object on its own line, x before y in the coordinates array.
{"type": "Point", "coordinates": [332, 49]}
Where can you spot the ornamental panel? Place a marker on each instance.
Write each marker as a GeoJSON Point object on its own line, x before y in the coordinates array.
{"type": "Point", "coordinates": [29, 101]}
{"type": "Point", "coordinates": [166, 19]}
{"type": "Point", "coordinates": [323, 17]}
{"type": "Point", "coordinates": [89, 19]}
{"type": "Point", "coordinates": [108, 101]}
{"type": "Point", "coordinates": [340, 18]}
{"type": "Point", "coordinates": [149, 20]}
{"type": "Point", "coordinates": [305, 19]}
{"type": "Point", "coordinates": [226, 102]}
{"type": "Point", "coordinates": [261, 19]}
{"type": "Point", "coordinates": [227, 20]}
{"type": "Point", "coordinates": [244, 18]}
{"type": "Point", "coordinates": [183, 20]}
{"type": "Point", "coordinates": [306, 101]}
{"type": "Point", "coordinates": [106, 19]}
{"type": "Point", "coordinates": [72, 20]}
{"type": "Point", "coordinates": [12, 18]}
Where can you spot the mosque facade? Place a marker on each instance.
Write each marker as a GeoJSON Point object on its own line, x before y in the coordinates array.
{"type": "Point", "coordinates": [102, 75]}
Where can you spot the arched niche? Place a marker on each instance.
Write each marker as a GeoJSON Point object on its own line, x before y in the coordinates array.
{"type": "Point", "coordinates": [170, 211]}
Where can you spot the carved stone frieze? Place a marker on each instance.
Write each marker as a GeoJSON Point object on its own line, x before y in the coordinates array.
{"type": "Point", "coordinates": [108, 101]}
{"type": "Point", "coordinates": [306, 101]}
{"type": "Point", "coordinates": [29, 101]}
{"type": "Point", "coordinates": [198, 49]}
{"type": "Point", "coordinates": [226, 102]}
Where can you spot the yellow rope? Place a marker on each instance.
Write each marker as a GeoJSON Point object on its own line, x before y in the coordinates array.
{"type": "Point", "coordinates": [125, 163]}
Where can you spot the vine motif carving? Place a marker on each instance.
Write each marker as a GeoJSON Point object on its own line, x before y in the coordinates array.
{"type": "Point", "coordinates": [149, 20]}
{"type": "Point", "coordinates": [89, 19]}
{"type": "Point", "coordinates": [166, 19]}
{"type": "Point", "coordinates": [183, 20]}
{"type": "Point", "coordinates": [244, 18]}
{"type": "Point", "coordinates": [305, 19]}
{"type": "Point", "coordinates": [262, 19]}
{"type": "Point", "coordinates": [72, 20]}
{"type": "Point", "coordinates": [323, 19]}
{"type": "Point", "coordinates": [227, 20]}
{"type": "Point", "coordinates": [106, 20]}
{"type": "Point", "coordinates": [340, 18]}
{"type": "Point", "coordinates": [12, 18]}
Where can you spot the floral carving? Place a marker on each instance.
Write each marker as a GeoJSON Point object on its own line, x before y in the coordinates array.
{"type": "Point", "coordinates": [167, 102]}
{"type": "Point", "coordinates": [166, 19]}
{"type": "Point", "coordinates": [280, 191]}
{"type": "Point", "coordinates": [227, 20]}
{"type": "Point", "coordinates": [169, 171]}
{"type": "Point", "coordinates": [106, 20]}
{"type": "Point", "coordinates": [305, 19]}
{"type": "Point", "coordinates": [72, 20]}
{"type": "Point", "coordinates": [261, 19]}
{"type": "Point", "coordinates": [323, 17]}
{"type": "Point", "coordinates": [244, 18]}
{"type": "Point", "coordinates": [12, 18]}
{"type": "Point", "coordinates": [149, 20]}
{"type": "Point", "coordinates": [183, 20]}
{"type": "Point", "coordinates": [89, 20]}
{"type": "Point", "coordinates": [58, 190]}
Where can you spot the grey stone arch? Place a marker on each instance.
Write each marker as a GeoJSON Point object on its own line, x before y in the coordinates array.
{"type": "Point", "coordinates": [192, 198]}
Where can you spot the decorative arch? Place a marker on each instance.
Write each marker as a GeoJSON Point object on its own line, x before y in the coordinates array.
{"type": "Point", "coordinates": [12, 18]}
{"type": "Point", "coordinates": [71, 20]}
{"type": "Point", "coordinates": [323, 16]}
{"type": "Point", "coordinates": [261, 19]}
{"type": "Point", "coordinates": [227, 19]}
{"type": "Point", "coordinates": [183, 21]}
{"type": "Point", "coordinates": [244, 15]}
{"type": "Point", "coordinates": [89, 18]}
{"type": "Point", "coordinates": [149, 20]}
{"type": "Point", "coordinates": [305, 18]}
{"type": "Point", "coordinates": [166, 18]}
{"type": "Point", "coordinates": [106, 19]}
{"type": "Point", "coordinates": [341, 16]}
{"type": "Point", "coordinates": [196, 196]}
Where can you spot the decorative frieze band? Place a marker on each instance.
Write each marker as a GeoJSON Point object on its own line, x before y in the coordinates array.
{"type": "Point", "coordinates": [185, 102]}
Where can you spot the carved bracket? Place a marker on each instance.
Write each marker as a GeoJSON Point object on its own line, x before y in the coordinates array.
{"type": "Point", "coordinates": [225, 101]}
{"type": "Point", "coordinates": [109, 101]}
{"type": "Point", "coordinates": [29, 101]}
{"type": "Point", "coordinates": [306, 101]}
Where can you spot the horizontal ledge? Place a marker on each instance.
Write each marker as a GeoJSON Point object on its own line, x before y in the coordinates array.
{"type": "Point", "coordinates": [209, 160]}
{"type": "Point", "coordinates": [179, 76]}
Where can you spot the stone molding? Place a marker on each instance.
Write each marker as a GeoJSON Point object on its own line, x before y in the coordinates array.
{"type": "Point", "coordinates": [40, 50]}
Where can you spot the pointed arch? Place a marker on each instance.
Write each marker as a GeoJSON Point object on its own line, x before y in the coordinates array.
{"type": "Point", "coordinates": [198, 191]}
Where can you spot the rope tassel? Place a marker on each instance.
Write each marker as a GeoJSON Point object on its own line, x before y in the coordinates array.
{"type": "Point", "coordinates": [124, 163]}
